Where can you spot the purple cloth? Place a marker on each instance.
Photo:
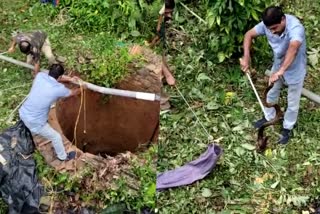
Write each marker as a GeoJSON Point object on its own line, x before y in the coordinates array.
{"type": "Point", "coordinates": [191, 172]}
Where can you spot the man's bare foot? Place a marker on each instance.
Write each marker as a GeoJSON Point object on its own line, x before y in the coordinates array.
{"type": "Point", "coordinates": [154, 41]}
{"type": "Point", "coordinates": [170, 80]}
{"type": "Point", "coordinates": [135, 50]}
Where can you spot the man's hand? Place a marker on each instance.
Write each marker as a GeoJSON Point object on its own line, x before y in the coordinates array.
{"type": "Point", "coordinates": [75, 79]}
{"type": "Point", "coordinates": [12, 46]}
{"type": "Point", "coordinates": [244, 63]}
{"type": "Point", "coordinates": [79, 80]}
{"type": "Point", "coordinates": [275, 76]}
{"type": "Point", "coordinates": [11, 50]}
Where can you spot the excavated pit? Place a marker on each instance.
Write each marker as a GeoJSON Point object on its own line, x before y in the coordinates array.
{"type": "Point", "coordinates": [113, 124]}
{"type": "Point", "coordinates": [117, 124]}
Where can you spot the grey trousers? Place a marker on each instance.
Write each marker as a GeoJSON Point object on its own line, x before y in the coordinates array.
{"type": "Point", "coordinates": [293, 99]}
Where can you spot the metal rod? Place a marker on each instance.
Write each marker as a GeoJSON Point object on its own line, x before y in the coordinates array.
{"type": "Point", "coordinates": [103, 90]}
{"type": "Point", "coordinates": [255, 91]}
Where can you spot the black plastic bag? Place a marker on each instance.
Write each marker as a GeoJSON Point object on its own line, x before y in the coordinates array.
{"type": "Point", "coordinates": [19, 186]}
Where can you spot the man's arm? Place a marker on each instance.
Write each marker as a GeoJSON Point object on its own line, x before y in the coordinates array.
{"type": "Point", "coordinates": [36, 68]}
{"type": "Point", "coordinates": [248, 37]}
{"type": "Point", "coordinates": [75, 91]}
{"type": "Point", "coordinates": [288, 59]}
{"type": "Point", "coordinates": [159, 23]}
{"type": "Point", "coordinates": [36, 59]}
{"type": "Point", "coordinates": [65, 79]}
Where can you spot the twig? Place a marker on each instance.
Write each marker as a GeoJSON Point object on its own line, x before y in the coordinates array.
{"type": "Point", "coordinates": [179, 32]}
{"type": "Point", "coordinates": [217, 140]}
{"type": "Point", "coordinates": [20, 86]}
{"type": "Point", "coordinates": [193, 13]}
{"type": "Point", "coordinates": [274, 169]}
{"type": "Point", "coordinates": [9, 119]}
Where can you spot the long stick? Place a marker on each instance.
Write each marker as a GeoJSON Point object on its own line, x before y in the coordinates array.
{"type": "Point", "coordinates": [103, 90]}
{"type": "Point", "coordinates": [255, 91]}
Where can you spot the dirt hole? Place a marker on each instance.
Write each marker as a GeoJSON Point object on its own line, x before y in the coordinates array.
{"type": "Point", "coordinates": [113, 125]}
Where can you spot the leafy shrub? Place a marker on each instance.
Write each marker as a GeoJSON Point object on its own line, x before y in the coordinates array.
{"type": "Point", "coordinates": [230, 20]}
{"type": "Point", "coordinates": [109, 68]}
{"type": "Point", "coordinates": [123, 17]}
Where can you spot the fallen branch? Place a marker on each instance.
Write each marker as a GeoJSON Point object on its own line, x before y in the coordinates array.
{"type": "Point", "coordinates": [193, 13]}
{"type": "Point", "coordinates": [19, 86]}
{"type": "Point", "coordinates": [10, 117]}
{"type": "Point", "coordinates": [102, 90]}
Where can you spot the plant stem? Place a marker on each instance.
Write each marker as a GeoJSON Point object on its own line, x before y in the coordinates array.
{"type": "Point", "coordinates": [193, 13]}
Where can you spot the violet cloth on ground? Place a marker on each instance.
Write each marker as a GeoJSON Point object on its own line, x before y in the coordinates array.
{"type": "Point", "coordinates": [191, 172]}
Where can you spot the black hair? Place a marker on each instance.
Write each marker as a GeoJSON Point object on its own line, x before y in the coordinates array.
{"type": "Point", "coordinates": [56, 70]}
{"type": "Point", "coordinates": [272, 15]}
{"type": "Point", "coordinates": [25, 47]}
{"type": "Point", "coordinates": [169, 4]}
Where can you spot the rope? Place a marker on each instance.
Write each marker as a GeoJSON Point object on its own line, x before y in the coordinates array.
{"type": "Point", "coordinates": [163, 37]}
{"type": "Point", "coordinates": [205, 130]}
{"type": "Point", "coordinates": [84, 113]}
{"type": "Point", "coordinates": [82, 103]}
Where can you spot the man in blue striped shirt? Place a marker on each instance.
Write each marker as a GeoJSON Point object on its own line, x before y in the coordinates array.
{"type": "Point", "coordinates": [286, 36]}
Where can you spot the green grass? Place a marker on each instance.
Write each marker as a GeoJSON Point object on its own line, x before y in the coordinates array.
{"type": "Point", "coordinates": [283, 180]}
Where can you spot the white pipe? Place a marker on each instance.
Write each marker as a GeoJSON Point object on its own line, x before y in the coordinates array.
{"type": "Point", "coordinates": [308, 94]}
{"type": "Point", "coordinates": [103, 90]}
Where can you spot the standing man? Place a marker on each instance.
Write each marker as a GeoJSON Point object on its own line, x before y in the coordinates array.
{"type": "Point", "coordinates": [47, 89]}
{"type": "Point", "coordinates": [32, 44]}
{"type": "Point", "coordinates": [286, 36]}
{"type": "Point", "coordinates": [165, 16]}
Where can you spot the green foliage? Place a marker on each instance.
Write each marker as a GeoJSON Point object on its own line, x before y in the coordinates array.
{"type": "Point", "coordinates": [229, 21]}
{"type": "Point", "coordinates": [124, 17]}
{"type": "Point", "coordinates": [109, 68]}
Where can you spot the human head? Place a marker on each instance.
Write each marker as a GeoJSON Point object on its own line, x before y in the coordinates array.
{"type": "Point", "coordinates": [169, 7]}
{"type": "Point", "coordinates": [275, 20]}
{"type": "Point", "coordinates": [56, 70]}
{"type": "Point", "coordinates": [25, 47]}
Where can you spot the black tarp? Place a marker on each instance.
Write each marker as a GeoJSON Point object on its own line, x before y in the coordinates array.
{"type": "Point", "coordinates": [19, 186]}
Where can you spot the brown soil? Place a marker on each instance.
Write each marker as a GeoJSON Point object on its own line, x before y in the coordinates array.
{"type": "Point", "coordinates": [114, 124]}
